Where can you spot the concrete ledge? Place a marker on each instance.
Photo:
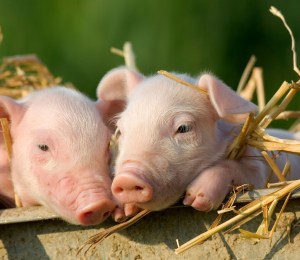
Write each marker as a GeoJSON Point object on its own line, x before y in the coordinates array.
{"type": "Point", "coordinates": [153, 237]}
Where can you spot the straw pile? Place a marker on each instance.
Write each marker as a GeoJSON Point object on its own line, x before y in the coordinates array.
{"type": "Point", "coordinates": [19, 75]}
{"type": "Point", "coordinates": [252, 134]}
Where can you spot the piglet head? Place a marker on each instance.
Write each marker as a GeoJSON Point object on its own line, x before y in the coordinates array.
{"type": "Point", "coordinates": [168, 133]}
{"type": "Point", "coordinates": [60, 154]}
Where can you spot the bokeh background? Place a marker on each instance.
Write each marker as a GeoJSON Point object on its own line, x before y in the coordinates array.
{"type": "Point", "coordinates": [73, 37]}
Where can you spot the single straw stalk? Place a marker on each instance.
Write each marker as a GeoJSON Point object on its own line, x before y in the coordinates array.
{"type": "Point", "coordinates": [257, 72]}
{"type": "Point", "coordinates": [246, 73]}
{"type": "Point", "coordinates": [106, 232]}
{"type": "Point", "coordinates": [277, 13]}
{"type": "Point", "coordinates": [6, 137]}
{"type": "Point", "coordinates": [8, 145]}
{"type": "Point", "coordinates": [128, 55]}
{"type": "Point", "coordinates": [255, 83]}
{"type": "Point", "coordinates": [187, 84]}
{"type": "Point", "coordinates": [287, 115]}
{"type": "Point", "coordinates": [1, 35]}
{"type": "Point", "coordinates": [273, 166]}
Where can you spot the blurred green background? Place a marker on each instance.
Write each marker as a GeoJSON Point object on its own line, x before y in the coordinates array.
{"type": "Point", "coordinates": [73, 37]}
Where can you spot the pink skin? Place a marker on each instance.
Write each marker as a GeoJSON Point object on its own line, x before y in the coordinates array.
{"type": "Point", "coordinates": [173, 139]}
{"type": "Point", "coordinates": [60, 155]}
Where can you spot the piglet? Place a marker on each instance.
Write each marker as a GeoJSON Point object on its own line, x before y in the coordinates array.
{"type": "Point", "coordinates": [173, 139]}
{"type": "Point", "coordinates": [60, 155]}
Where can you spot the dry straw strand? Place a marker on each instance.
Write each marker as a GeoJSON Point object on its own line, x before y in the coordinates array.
{"type": "Point", "coordinates": [258, 72]}
{"type": "Point", "coordinates": [285, 115]}
{"type": "Point", "coordinates": [187, 84]}
{"type": "Point", "coordinates": [8, 146]}
{"type": "Point", "coordinates": [250, 209]}
{"type": "Point", "coordinates": [277, 13]}
{"type": "Point", "coordinates": [273, 166]}
{"type": "Point", "coordinates": [246, 73]}
{"type": "Point", "coordinates": [128, 55]}
{"type": "Point", "coordinates": [6, 137]}
{"type": "Point", "coordinates": [1, 35]}
{"type": "Point", "coordinates": [106, 232]}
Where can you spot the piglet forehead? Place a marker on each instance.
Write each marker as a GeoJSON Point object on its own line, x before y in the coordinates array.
{"type": "Point", "coordinates": [69, 114]}
{"type": "Point", "coordinates": [159, 96]}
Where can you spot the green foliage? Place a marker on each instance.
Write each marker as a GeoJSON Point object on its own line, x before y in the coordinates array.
{"type": "Point", "coordinates": [73, 37]}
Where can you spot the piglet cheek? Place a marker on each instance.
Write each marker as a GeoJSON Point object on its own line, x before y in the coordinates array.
{"type": "Point", "coordinates": [40, 159]}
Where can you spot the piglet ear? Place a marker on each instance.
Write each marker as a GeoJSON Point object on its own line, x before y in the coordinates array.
{"type": "Point", "coordinates": [227, 103]}
{"type": "Point", "coordinates": [11, 109]}
{"type": "Point", "coordinates": [118, 83]}
{"type": "Point", "coordinates": [113, 90]}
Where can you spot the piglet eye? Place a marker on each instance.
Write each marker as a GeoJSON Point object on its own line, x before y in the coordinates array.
{"type": "Point", "coordinates": [43, 147]}
{"type": "Point", "coordinates": [184, 129]}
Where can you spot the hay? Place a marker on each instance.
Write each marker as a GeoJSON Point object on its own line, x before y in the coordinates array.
{"type": "Point", "coordinates": [22, 74]}
{"type": "Point", "coordinates": [247, 212]}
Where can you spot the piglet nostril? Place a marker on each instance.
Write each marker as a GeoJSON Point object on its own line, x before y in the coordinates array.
{"type": "Point", "coordinates": [118, 189]}
{"type": "Point", "coordinates": [139, 188]}
{"type": "Point", "coordinates": [88, 214]}
{"type": "Point", "coordinates": [106, 214]}
{"type": "Point", "coordinates": [95, 212]}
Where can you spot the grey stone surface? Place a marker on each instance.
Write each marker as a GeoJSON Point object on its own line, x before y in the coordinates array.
{"type": "Point", "coordinates": [153, 237]}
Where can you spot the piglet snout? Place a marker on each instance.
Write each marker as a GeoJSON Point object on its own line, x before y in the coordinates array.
{"type": "Point", "coordinates": [95, 213]}
{"type": "Point", "coordinates": [130, 188]}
